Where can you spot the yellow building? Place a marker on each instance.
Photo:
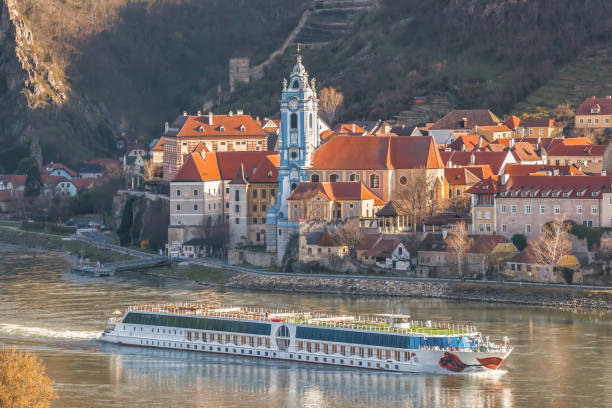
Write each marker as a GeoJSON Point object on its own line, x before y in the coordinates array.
{"type": "Point", "coordinates": [595, 113]}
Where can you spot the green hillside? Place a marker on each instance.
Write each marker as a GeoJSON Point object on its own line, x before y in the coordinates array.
{"type": "Point", "coordinates": [476, 53]}
{"type": "Point", "coordinates": [589, 75]}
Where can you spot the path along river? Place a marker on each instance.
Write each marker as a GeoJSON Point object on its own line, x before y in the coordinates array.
{"type": "Point", "coordinates": [561, 358]}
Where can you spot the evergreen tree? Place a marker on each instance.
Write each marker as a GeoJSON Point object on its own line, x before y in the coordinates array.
{"type": "Point", "coordinates": [33, 184]}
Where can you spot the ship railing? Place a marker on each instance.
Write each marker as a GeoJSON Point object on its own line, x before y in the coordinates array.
{"type": "Point", "coordinates": [314, 319]}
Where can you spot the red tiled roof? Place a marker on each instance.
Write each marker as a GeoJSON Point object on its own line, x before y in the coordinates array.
{"type": "Point", "coordinates": [267, 170]}
{"type": "Point", "coordinates": [18, 179]}
{"type": "Point", "coordinates": [229, 162]}
{"type": "Point", "coordinates": [590, 186]}
{"type": "Point", "coordinates": [484, 244]}
{"type": "Point", "coordinates": [460, 176]}
{"type": "Point", "coordinates": [5, 195]}
{"type": "Point", "coordinates": [465, 142]}
{"type": "Point", "coordinates": [377, 152]}
{"type": "Point", "coordinates": [53, 180]}
{"type": "Point", "coordinates": [494, 159]}
{"type": "Point", "coordinates": [482, 171]}
{"type": "Point", "coordinates": [198, 168]}
{"type": "Point", "coordinates": [524, 151]}
{"type": "Point", "coordinates": [500, 145]}
{"type": "Point", "coordinates": [335, 191]}
{"type": "Point", "coordinates": [453, 119]}
{"type": "Point", "coordinates": [486, 186]}
{"type": "Point", "coordinates": [105, 162]}
{"type": "Point", "coordinates": [495, 128]}
{"type": "Point", "coordinates": [605, 106]}
{"type": "Point", "coordinates": [517, 169]}
{"type": "Point", "coordinates": [538, 123]}
{"type": "Point", "coordinates": [159, 146]}
{"type": "Point", "coordinates": [512, 122]}
{"type": "Point", "coordinates": [59, 166]}
{"type": "Point", "coordinates": [367, 241]}
{"type": "Point", "coordinates": [561, 149]}
{"type": "Point", "coordinates": [384, 248]}
{"type": "Point", "coordinates": [222, 125]}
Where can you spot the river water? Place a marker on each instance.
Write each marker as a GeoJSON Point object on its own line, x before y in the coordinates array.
{"type": "Point", "coordinates": [561, 358]}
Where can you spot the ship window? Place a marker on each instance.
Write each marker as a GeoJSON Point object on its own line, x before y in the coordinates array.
{"type": "Point", "coordinates": [198, 323]}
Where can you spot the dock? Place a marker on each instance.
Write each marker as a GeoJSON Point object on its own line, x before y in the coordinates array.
{"type": "Point", "coordinates": [109, 269]}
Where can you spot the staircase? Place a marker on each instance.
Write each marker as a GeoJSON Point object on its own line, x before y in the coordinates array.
{"type": "Point", "coordinates": [330, 18]}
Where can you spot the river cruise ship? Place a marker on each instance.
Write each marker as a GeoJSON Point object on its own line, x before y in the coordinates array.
{"type": "Point", "coordinates": [386, 342]}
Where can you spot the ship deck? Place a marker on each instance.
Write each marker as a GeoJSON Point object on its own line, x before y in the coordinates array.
{"type": "Point", "coordinates": [383, 323]}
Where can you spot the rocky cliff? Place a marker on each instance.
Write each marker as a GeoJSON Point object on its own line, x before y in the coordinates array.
{"type": "Point", "coordinates": [141, 217]}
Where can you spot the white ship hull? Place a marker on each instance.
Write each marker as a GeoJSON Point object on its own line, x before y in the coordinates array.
{"type": "Point", "coordinates": [449, 360]}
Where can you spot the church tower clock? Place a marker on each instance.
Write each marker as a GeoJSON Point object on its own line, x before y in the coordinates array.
{"type": "Point", "coordinates": [299, 135]}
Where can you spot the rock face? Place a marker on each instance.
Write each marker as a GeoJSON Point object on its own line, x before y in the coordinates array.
{"type": "Point", "coordinates": [141, 216]}
{"type": "Point", "coordinates": [29, 81]}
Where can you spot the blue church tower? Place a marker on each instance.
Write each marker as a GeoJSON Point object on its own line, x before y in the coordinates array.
{"type": "Point", "coordinates": [299, 137]}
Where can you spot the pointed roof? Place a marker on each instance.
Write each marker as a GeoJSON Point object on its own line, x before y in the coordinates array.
{"type": "Point", "coordinates": [198, 168]}
{"type": "Point", "coordinates": [484, 244]}
{"type": "Point", "coordinates": [455, 119]}
{"type": "Point", "coordinates": [201, 147]}
{"type": "Point", "coordinates": [605, 106]}
{"type": "Point", "coordinates": [159, 145]}
{"type": "Point", "coordinates": [512, 122]}
{"type": "Point", "coordinates": [240, 177]}
{"type": "Point", "coordinates": [391, 209]}
{"type": "Point", "coordinates": [194, 126]}
{"type": "Point", "coordinates": [465, 142]}
{"type": "Point", "coordinates": [377, 152]}
{"type": "Point", "coordinates": [460, 176]}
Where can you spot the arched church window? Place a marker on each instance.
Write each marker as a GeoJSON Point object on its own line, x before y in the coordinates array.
{"type": "Point", "coordinates": [333, 178]}
{"type": "Point", "coordinates": [314, 178]}
{"type": "Point", "coordinates": [374, 181]}
{"type": "Point", "coordinates": [294, 121]}
{"type": "Point", "coordinates": [296, 84]}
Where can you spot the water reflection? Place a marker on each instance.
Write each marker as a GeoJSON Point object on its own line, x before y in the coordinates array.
{"type": "Point", "coordinates": [294, 384]}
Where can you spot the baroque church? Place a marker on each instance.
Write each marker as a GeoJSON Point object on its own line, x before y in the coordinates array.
{"type": "Point", "coordinates": [299, 137]}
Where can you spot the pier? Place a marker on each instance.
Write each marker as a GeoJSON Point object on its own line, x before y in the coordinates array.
{"type": "Point", "coordinates": [109, 269]}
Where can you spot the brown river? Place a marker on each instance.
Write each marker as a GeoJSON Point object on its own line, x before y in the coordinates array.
{"type": "Point", "coordinates": [561, 358]}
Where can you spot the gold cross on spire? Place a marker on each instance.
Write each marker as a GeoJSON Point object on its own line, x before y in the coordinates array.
{"type": "Point", "coordinates": [298, 48]}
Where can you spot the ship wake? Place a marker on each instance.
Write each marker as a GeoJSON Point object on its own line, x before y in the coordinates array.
{"type": "Point", "coordinates": [17, 330]}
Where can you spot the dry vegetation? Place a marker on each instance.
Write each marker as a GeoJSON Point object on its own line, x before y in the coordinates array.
{"type": "Point", "coordinates": [23, 381]}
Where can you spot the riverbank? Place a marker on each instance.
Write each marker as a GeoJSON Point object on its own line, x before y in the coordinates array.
{"type": "Point", "coordinates": [566, 298]}
{"type": "Point", "coordinates": [478, 292]}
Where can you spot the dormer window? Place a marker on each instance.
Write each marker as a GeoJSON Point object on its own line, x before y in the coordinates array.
{"type": "Point", "coordinates": [221, 128]}
{"type": "Point", "coordinates": [269, 173]}
{"type": "Point", "coordinates": [201, 129]}
{"type": "Point", "coordinates": [596, 108]}
{"type": "Point", "coordinates": [242, 128]}
{"type": "Point", "coordinates": [485, 187]}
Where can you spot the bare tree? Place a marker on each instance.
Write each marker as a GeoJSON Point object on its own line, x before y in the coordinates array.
{"type": "Point", "coordinates": [552, 245]}
{"type": "Point", "coordinates": [418, 196]}
{"type": "Point", "coordinates": [348, 233]}
{"type": "Point", "coordinates": [460, 203]}
{"type": "Point", "coordinates": [459, 243]}
{"type": "Point", "coordinates": [329, 101]}
{"type": "Point", "coordinates": [23, 381]}
{"type": "Point", "coordinates": [148, 170]}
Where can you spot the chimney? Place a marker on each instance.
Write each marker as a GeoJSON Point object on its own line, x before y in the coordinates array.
{"type": "Point", "coordinates": [511, 142]}
{"type": "Point", "coordinates": [479, 140]}
{"type": "Point", "coordinates": [603, 172]}
{"type": "Point", "coordinates": [184, 113]}
{"type": "Point", "coordinates": [230, 114]}
{"type": "Point", "coordinates": [472, 159]}
{"type": "Point", "coordinates": [210, 118]}
{"type": "Point", "coordinates": [449, 164]}
{"type": "Point", "coordinates": [464, 122]}
{"type": "Point", "coordinates": [257, 118]}
{"type": "Point", "coordinates": [199, 113]}
{"type": "Point", "coordinates": [353, 127]}
{"type": "Point", "coordinates": [555, 172]}
{"type": "Point", "coordinates": [609, 97]}
{"type": "Point", "coordinates": [166, 126]}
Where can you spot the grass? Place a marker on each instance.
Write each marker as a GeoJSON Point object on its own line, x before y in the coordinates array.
{"type": "Point", "coordinates": [93, 253]}
{"type": "Point", "coordinates": [199, 273]}
{"type": "Point", "coordinates": [587, 76]}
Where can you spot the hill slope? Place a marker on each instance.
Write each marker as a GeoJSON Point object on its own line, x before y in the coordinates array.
{"type": "Point", "coordinates": [472, 53]}
{"type": "Point", "coordinates": [123, 65]}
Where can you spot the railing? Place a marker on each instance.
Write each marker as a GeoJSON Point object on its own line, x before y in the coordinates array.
{"type": "Point", "coordinates": [365, 323]}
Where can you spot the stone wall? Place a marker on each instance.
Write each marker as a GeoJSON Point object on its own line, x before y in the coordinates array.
{"type": "Point", "coordinates": [255, 258]}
